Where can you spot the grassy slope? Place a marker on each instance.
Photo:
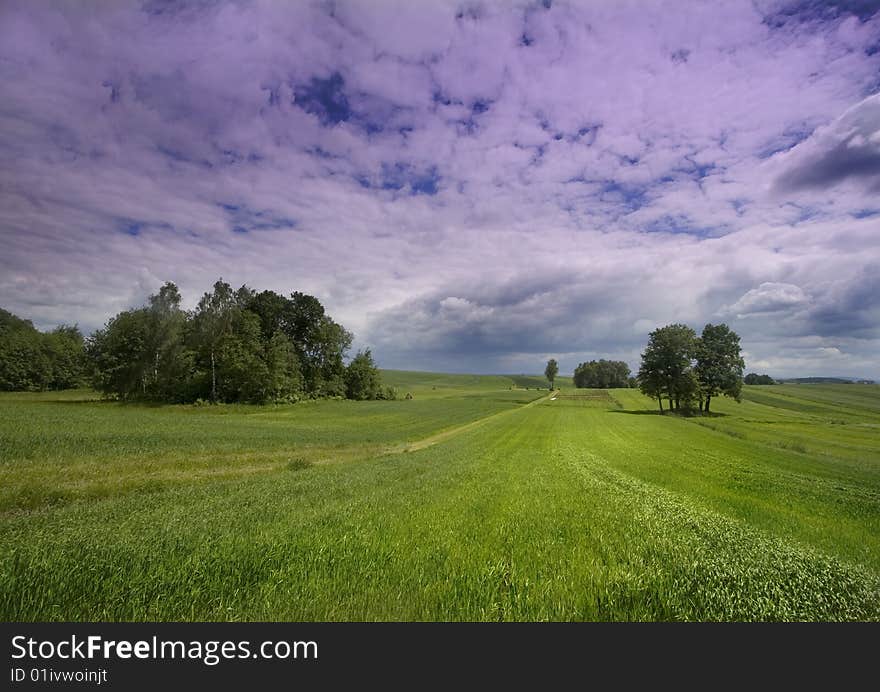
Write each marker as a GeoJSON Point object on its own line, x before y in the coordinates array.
{"type": "Point", "coordinates": [583, 508]}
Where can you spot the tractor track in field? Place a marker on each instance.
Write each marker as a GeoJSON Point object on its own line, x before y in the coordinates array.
{"type": "Point", "coordinates": [437, 438]}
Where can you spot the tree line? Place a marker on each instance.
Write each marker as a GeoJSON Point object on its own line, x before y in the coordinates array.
{"type": "Point", "coordinates": [31, 360]}
{"type": "Point", "coordinates": [754, 378]}
{"type": "Point", "coordinates": [235, 346]}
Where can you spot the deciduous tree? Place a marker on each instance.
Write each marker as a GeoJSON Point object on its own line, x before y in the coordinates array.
{"type": "Point", "coordinates": [719, 365]}
{"type": "Point", "coordinates": [362, 380]}
{"type": "Point", "coordinates": [212, 322]}
{"type": "Point", "coordinates": [666, 363]}
{"type": "Point", "coordinates": [551, 371]}
{"type": "Point", "coordinates": [602, 374]}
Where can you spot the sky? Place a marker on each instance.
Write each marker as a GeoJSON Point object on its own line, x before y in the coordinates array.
{"type": "Point", "coordinates": [466, 186]}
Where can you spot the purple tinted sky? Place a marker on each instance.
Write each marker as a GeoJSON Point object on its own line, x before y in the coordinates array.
{"type": "Point", "coordinates": [468, 186]}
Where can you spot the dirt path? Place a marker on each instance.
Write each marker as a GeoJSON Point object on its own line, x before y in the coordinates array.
{"type": "Point", "coordinates": [452, 432]}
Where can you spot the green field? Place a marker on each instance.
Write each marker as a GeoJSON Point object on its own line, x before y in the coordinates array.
{"type": "Point", "coordinates": [477, 499]}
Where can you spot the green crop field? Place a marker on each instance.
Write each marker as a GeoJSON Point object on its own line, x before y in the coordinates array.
{"type": "Point", "coordinates": [477, 499]}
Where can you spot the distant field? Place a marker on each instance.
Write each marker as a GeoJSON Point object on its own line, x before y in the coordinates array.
{"type": "Point", "coordinates": [508, 506]}
{"type": "Point", "coordinates": [436, 384]}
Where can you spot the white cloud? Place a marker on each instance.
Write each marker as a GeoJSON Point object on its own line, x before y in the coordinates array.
{"type": "Point", "coordinates": [769, 297]}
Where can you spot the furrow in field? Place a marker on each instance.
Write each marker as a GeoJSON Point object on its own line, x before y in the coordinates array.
{"type": "Point", "coordinates": [448, 434]}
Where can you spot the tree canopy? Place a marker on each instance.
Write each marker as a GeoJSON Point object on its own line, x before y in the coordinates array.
{"type": "Point", "coordinates": [31, 360]}
{"type": "Point", "coordinates": [602, 374]}
{"type": "Point", "coordinates": [236, 346]}
{"type": "Point", "coordinates": [689, 370]}
{"type": "Point", "coordinates": [754, 378]}
{"type": "Point", "coordinates": [362, 379]}
{"type": "Point", "coordinates": [666, 362]}
{"type": "Point", "coordinates": [719, 363]}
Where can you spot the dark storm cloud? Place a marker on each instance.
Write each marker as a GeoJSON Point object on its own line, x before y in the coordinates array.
{"type": "Point", "coordinates": [846, 150]}
{"type": "Point", "coordinates": [783, 14]}
{"type": "Point", "coordinates": [849, 309]}
{"type": "Point", "coordinates": [846, 160]}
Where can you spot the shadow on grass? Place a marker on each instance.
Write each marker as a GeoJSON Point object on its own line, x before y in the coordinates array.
{"type": "Point", "coordinates": [647, 412]}
{"type": "Point", "coordinates": [78, 401]}
{"type": "Point", "coordinates": [642, 412]}
{"type": "Point", "coordinates": [134, 403]}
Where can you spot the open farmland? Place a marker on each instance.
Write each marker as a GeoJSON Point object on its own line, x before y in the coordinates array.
{"type": "Point", "coordinates": [475, 500]}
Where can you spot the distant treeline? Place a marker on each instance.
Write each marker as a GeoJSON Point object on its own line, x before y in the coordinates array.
{"type": "Point", "coordinates": [753, 378]}
{"type": "Point", "coordinates": [823, 380]}
{"type": "Point", "coordinates": [603, 374]}
{"type": "Point", "coordinates": [31, 360]}
{"type": "Point", "coordinates": [236, 346]}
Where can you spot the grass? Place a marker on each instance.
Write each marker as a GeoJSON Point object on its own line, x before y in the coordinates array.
{"type": "Point", "coordinates": [563, 510]}
{"type": "Point", "coordinates": [56, 449]}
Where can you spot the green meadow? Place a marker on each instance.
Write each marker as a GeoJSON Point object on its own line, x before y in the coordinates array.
{"type": "Point", "coordinates": [480, 498]}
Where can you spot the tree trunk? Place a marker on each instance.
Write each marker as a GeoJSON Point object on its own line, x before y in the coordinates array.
{"type": "Point", "coordinates": [708, 399]}
{"type": "Point", "coordinates": [213, 378]}
{"type": "Point", "coordinates": [660, 401]}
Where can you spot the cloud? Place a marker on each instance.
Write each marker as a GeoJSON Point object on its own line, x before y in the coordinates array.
{"type": "Point", "coordinates": [849, 307]}
{"type": "Point", "coordinates": [769, 297]}
{"type": "Point", "coordinates": [847, 149]}
{"type": "Point", "coordinates": [465, 186]}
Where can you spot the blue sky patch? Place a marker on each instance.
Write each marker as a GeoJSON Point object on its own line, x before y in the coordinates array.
{"type": "Point", "coordinates": [790, 137]}
{"type": "Point", "coordinates": [864, 213]}
{"type": "Point", "coordinates": [680, 56]}
{"type": "Point", "coordinates": [480, 106]}
{"type": "Point", "coordinates": [631, 197]}
{"type": "Point", "coordinates": [403, 176]}
{"type": "Point", "coordinates": [134, 227]}
{"type": "Point", "coordinates": [324, 98]}
{"type": "Point", "coordinates": [680, 224]}
{"type": "Point", "coordinates": [243, 219]}
{"type": "Point", "coordinates": [698, 171]}
{"type": "Point", "coordinates": [820, 11]}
